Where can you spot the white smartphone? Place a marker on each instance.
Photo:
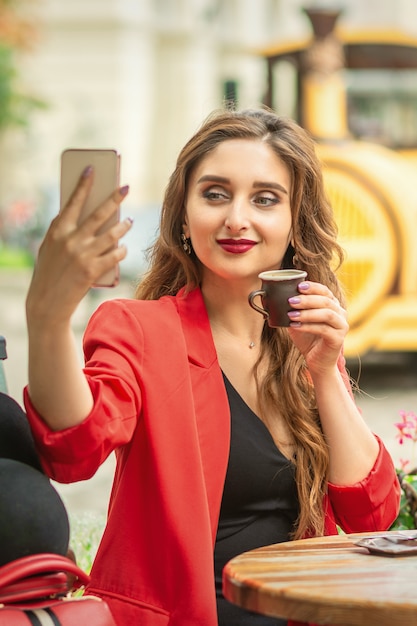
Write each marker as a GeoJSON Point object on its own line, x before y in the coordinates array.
{"type": "Point", "coordinates": [106, 164]}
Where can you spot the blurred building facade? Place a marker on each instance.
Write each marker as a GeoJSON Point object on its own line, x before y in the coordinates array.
{"type": "Point", "coordinates": [140, 76]}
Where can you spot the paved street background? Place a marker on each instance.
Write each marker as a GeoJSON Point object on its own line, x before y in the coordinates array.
{"type": "Point", "coordinates": [388, 382]}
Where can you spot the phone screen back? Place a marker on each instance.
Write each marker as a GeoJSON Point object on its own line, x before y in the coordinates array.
{"type": "Point", "coordinates": [106, 164]}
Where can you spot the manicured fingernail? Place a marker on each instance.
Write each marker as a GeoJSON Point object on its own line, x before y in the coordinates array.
{"type": "Point", "coordinates": [304, 286]}
{"type": "Point", "coordinates": [295, 324]}
{"type": "Point", "coordinates": [294, 300]}
{"type": "Point", "coordinates": [129, 220]}
{"type": "Point", "coordinates": [124, 190]}
{"type": "Point", "coordinates": [293, 314]}
{"type": "Point", "coordinates": [88, 170]}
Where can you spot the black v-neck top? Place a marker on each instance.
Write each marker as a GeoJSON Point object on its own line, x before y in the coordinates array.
{"type": "Point", "coordinates": [259, 505]}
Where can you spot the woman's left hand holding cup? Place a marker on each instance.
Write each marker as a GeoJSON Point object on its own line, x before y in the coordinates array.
{"type": "Point", "coordinates": [318, 325]}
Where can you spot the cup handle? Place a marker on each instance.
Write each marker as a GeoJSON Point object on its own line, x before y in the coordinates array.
{"type": "Point", "coordinates": [252, 296]}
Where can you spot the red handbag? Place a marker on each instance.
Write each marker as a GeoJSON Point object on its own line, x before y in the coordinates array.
{"type": "Point", "coordinates": [34, 592]}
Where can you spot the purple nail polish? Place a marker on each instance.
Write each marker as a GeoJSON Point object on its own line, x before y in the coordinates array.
{"type": "Point", "coordinates": [294, 300]}
{"type": "Point", "coordinates": [293, 314]}
{"type": "Point", "coordinates": [304, 286]}
{"type": "Point", "coordinates": [86, 173]}
{"type": "Point", "coordinates": [124, 190]}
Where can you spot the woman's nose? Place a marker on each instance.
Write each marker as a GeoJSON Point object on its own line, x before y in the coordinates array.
{"type": "Point", "coordinates": [237, 217]}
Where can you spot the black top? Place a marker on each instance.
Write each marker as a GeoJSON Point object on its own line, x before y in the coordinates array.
{"type": "Point", "coordinates": [259, 506]}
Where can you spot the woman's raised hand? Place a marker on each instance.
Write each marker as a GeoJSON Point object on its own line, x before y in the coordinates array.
{"type": "Point", "coordinates": [318, 325]}
{"type": "Point", "coordinates": [73, 256]}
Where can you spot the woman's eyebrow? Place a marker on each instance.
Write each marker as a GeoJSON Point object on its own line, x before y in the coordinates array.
{"type": "Point", "coordinates": [213, 178]}
{"type": "Point", "coordinates": [259, 184]}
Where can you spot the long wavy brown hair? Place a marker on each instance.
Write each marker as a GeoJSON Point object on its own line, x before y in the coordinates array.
{"type": "Point", "coordinates": [286, 383]}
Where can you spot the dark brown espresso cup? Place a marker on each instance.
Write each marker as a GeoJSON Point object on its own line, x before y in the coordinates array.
{"type": "Point", "coordinates": [277, 287]}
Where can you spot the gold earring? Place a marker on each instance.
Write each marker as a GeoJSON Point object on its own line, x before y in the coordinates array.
{"type": "Point", "coordinates": [186, 244]}
{"type": "Point", "coordinates": [295, 257]}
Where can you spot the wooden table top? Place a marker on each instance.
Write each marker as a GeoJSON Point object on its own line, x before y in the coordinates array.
{"type": "Point", "coordinates": [325, 580]}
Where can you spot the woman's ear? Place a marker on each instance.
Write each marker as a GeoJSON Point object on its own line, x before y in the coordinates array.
{"type": "Point", "coordinates": [185, 228]}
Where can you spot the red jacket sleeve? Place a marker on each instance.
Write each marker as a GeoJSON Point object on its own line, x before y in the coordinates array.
{"type": "Point", "coordinates": [76, 453]}
{"type": "Point", "coordinates": [373, 503]}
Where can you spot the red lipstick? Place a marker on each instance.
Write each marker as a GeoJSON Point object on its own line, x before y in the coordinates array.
{"type": "Point", "coordinates": [236, 246]}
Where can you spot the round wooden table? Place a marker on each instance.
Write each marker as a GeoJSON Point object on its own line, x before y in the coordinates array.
{"type": "Point", "coordinates": [325, 580]}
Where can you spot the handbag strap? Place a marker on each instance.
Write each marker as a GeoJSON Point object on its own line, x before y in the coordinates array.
{"type": "Point", "coordinates": [35, 589]}
{"type": "Point", "coordinates": [37, 564]}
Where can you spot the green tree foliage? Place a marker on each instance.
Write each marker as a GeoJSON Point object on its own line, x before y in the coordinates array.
{"type": "Point", "coordinates": [17, 35]}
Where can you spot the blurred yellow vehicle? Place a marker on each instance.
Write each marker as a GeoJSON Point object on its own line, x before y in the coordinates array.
{"type": "Point", "coordinates": [373, 194]}
{"type": "Point", "coordinates": [371, 184]}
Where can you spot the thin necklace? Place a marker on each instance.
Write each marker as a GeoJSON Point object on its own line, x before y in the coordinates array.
{"type": "Point", "coordinates": [250, 345]}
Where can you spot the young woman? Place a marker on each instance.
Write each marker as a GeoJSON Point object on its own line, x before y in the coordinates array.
{"type": "Point", "coordinates": [228, 434]}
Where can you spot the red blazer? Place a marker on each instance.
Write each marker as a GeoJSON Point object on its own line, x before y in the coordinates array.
{"type": "Point", "coordinates": [160, 402]}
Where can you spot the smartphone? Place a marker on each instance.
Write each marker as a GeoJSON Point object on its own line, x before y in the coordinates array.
{"type": "Point", "coordinates": [106, 164]}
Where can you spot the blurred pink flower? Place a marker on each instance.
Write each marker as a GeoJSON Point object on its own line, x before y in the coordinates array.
{"type": "Point", "coordinates": [403, 464]}
{"type": "Point", "coordinates": [407, 428]}
{"type": "Point", "coordinates": [407, 432]}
